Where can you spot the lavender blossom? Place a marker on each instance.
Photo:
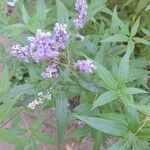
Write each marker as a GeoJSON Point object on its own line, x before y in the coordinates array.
{"type": "Point", "coordinates": [50, 72]}
{"type": "Point", "coordinates": [81, 8]}
{"type": "Point", "coordinates": [21, 52]}
{"type": "Point", "coordinates": [85, 66]}
{"type": "Point", "coordinates": [40, 46]}
{"type": "Point", "coordinates": [45, 46]}
{"type": "Point", "coordinates": [60, 33]}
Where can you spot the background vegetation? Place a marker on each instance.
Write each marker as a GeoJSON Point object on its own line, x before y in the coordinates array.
{"type": "Point", "coordinates": [114, 99]}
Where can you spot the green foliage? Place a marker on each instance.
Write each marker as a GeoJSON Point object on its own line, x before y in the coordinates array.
{"type": "Point", "coordinates": [113, 101]}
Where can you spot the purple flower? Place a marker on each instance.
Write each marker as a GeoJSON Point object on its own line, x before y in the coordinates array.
{"type": "Point", "coordinates": [60, 33]}
{"type": "Point", "coordinates": [40, 46]}
{"type": "Point", "coordinates": [21, 52]}
{"type": "Point", "coordinates": [50, 72]}
{"type": "Point", "coordinates": [85, 66]}
{"type": "Point", "coordinates": [45, 46]}
{"type": "Point", "coordinates": [81, 8]}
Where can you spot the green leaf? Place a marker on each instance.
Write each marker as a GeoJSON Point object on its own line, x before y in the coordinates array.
{"type": "Point", "coordinates": [89, 85]}
{"type": "Point", "coordinates": [143, 109]}
{"type": "Point", "coordinates": [132, 90]}
{"type": "Point", "coordinates": [119, 22]}
{"type": "Point", "coordinates": [97, 139]}
{"type": "Point", "coordinates": [79, 133]}
{"type": "Point", "coordinates": [62, 14]}
{"type": "Point", "coordinates": [119, 145]}
{"type": "Point", "coordinates": [25, 15]}
{"type": "Point", "coordinates": [144, 134]}
{"type": "Point", "coordinates": [21, 90]}
{"type": "Point", "coordinates": [4, 83]}
{"type": "Point", "coordinates": [61, 115]}
{"type": "Point", "coordinates": [140, 40]}
{"type": "Point", "coordinates": [105, 98]}
{"type": "Point", "coordinates": [123, 71]}
{"type": "Point", "coordinates": [106, 76]}
{"type": "Point", "coordinates": [8, 31]}
{"type": "Point", "coordinates": [116, 38]}
{"type": "Point", "coordinates": [42, 137]}
{"type": "Point", "coordinates": [135, 27]}
{"type": "Point", "coordinates": [6, 108]}
{"type": "Point", "coordinates": [35, 125]}
{"type": "Point", "coordinates": [104, 125]}
{"type": "Point", "coordinates": [32, 144]}
{"type": "Point", "coordinates": [141, 5]}
{"type": "Point", "coordinates": [9, 137]}
{"type": "Point", "coordinates": [133, 119]}
{"type": "Point", "coordinates": [41, 9]}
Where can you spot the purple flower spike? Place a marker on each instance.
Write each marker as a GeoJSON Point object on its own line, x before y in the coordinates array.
{"type": "Point", "coordinates": [21, 52]}
{"type": "Point", "coordinates": [50, 72]}
{"type": "Point", "coordinates": [60, 33]}
{"type": "Point", "coordinates": [81, 8]}
{"type": "Point", "coordinates": [85, 66]}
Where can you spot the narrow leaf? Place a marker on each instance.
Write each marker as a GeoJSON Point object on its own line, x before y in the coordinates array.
{"type": "Point", "coordinates": [105, 98]}
{"type": "Point", "coordinates": [62, 14]}
{"type": "Point", "coordinates": [116, 38]}
{"type": "Point", "coordinates": [4, 83]}
{"type": "Point", "coordinates": [140, 40]}
{"type": "Point", "coordinates": [135, 27]}
{"type": "Point", "coordinates": [9, 137]}
{"type": "Point", "coordinates": [132, 90]}
{"type": "Point", "coordinates": [61, 115]}
{"type": "Point", "coordinates": [25, 15]}
{"type": "Point", "coordinates": [104, 125]}
{"type": "Point", "coordinates": [123, 70]}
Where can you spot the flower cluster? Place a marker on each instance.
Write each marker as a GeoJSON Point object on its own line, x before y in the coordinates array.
{"type": "Point", "coordinates": [44, 46]}
{"type": "Point", "coordinates": [50, 71]}
{"type": "Point", "coordinates": [85, 66]}
{"type": "Point", "coordinates": [20, 52]}
{"type": "Point", "coordinates": [39, 100]}
{"type": "Point", "coordinates": [81, 8]}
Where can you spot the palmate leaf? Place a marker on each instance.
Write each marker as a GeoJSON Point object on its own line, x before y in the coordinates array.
{"type": "Point", "coordinates": [104, 125]}
{"type": "Point", "coordinates": [62, 13]}
{"type": "Point", "coordinates": [105, 98]}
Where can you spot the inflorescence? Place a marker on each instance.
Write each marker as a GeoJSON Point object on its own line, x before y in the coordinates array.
{"type": "Point", "coordinates": [81, 9]}
{"type": "Point", "coordinates": [47, 46]}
